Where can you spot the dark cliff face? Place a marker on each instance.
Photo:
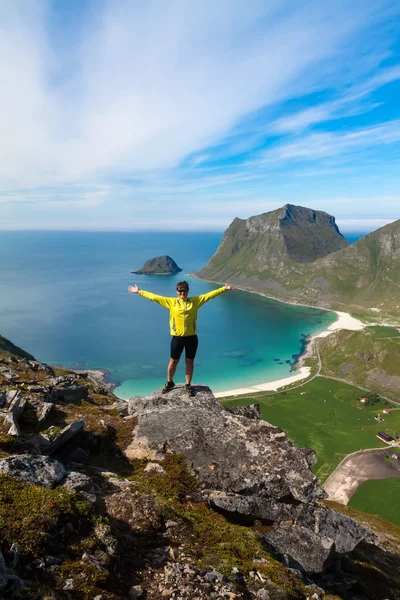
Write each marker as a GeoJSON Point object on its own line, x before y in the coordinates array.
{"type": "Point", "coordinates": [309, 234]}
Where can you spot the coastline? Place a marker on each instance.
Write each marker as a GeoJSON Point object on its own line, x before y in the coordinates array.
{"type": "Point", "coordinates": [344, 321]}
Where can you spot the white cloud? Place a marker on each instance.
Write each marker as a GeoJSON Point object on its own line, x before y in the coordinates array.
{"type": "Point", "coordinates": [346, 105]}
{"type": "Point", "coordinates": [154, 82]}
{"type": "Point", "coordinates": [362, 224]}
{"type": "Point", "coordinates": [326, 144]}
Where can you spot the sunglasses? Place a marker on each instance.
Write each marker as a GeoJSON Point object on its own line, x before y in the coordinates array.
{"type": "Point", "coordinates": [181, 290]}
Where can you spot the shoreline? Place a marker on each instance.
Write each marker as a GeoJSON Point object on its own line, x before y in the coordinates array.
{"type": "Point", "coordinates": [344, 321]}
{"type": "Point", "coordinates": [257, 293]}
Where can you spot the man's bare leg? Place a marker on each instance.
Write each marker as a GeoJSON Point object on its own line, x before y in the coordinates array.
{"type": "Point", "coordinates": [189, 369]}
{"type": "Point", "coordinates": [172, 368]}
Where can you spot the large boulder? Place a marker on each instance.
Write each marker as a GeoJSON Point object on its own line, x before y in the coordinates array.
{"type": "Point", "coordinates": [247, 469]}
{"type": "Point", "coordinates": [36, 470]}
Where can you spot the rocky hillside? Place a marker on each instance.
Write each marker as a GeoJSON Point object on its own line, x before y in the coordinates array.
{"type": "Point", "coordinates": [296, 254]}
{"type": "Point", "coordinates": [160, 265]}
{"type": "Point", "coordinates": [166, 497]}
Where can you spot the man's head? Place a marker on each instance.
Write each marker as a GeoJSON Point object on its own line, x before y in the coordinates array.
{"type": "Point", "coordinates": [182, 289]}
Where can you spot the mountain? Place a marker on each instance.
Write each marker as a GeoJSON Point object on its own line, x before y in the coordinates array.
{"type": "Point", "coordinates": [160, 265]}
{"type": "Point", "coordinates": [299, 255]}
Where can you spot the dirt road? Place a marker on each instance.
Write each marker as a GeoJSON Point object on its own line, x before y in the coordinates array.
{"type": "Point", "coordinates": [356, 468]}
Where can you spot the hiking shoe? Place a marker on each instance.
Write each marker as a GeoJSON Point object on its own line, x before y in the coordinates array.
{"type": "Point", "coordinates": [188, 390]}
{"type": "Point", "coordinates": [168, 387]}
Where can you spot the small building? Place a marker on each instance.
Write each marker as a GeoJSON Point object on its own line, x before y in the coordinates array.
{"type": "Point", "coordinates": [385, 437]}
{"type": "Point", "coordinates": [386, 411]}
{"type": "Point", "coordinates": [363, 400]}
{"type": "Point", "coordinates": [395, 456]}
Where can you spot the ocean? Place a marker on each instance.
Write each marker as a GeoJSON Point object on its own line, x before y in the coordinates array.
{"type": "Point", "coordinates": [63, 298]}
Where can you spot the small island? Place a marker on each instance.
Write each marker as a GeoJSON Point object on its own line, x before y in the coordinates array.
{"type": "Point", "coordinates": [161, 265]}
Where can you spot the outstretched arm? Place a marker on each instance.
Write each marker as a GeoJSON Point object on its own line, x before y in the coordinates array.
{"type": "Point", "coordinates": [162, 300]}
{"type": "Point", "coordinates": [203, 298]}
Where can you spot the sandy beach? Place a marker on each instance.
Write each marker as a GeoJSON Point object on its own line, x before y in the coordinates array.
{"type": "Point", "coordinates": [344, 321]}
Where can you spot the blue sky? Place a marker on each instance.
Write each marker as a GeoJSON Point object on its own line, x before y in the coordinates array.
{"type": "Point", "coordinates": [185, 114]}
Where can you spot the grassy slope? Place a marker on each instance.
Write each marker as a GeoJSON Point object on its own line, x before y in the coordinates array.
{"type": "Point", "coordinates": [379, 497]}
{"type": "Point", "coordinates": [7, 347]}
{"type": "Point", "coordinates": [334, 423]}
{"type": "Point", "coordinates": [369, 358]}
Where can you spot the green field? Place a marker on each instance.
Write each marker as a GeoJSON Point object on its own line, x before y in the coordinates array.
{"type": "Point", "coordinates": [379, 497]}
{"type": "Point", "coordinates": [329, 418]}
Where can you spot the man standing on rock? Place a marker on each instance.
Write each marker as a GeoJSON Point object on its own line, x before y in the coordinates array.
{"type": "Point", "coordinates": [183, 326]}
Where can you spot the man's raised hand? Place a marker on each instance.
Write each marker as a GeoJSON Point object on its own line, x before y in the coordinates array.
{"type": "Point", "coordinates": [133, 289]}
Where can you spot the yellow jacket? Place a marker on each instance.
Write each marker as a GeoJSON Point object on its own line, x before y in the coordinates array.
{"type": "Point", "coordinates": [182, 313]}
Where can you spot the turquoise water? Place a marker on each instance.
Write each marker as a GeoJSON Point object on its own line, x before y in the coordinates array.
{"type": "Point", "coordinates": [63, 298]}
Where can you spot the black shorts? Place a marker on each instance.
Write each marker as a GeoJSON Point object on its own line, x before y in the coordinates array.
{"type": "Point", "coordinates": [178, 343]}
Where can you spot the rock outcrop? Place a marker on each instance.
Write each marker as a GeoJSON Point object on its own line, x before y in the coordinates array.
{"type": "Point", "coordinates": [248, 470]}
{"type": "Point", "coordinates": [205, 506]}
{"type": "Point", "coordinates": [160, 265]}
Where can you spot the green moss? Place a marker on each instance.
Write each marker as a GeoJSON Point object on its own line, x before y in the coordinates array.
{"type": "Point", "coordinates": [30, 514]}
{"type": "Point", "coordinates": [176, 483]}
{"type": "Point", "coordinates": [88, 581]}
{"type": "Point", "coordinates": [52, 431]}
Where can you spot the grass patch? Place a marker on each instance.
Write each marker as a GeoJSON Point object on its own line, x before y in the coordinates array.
{"type": "Point", "coordinates": [379, 497]}
{"type": "Point", "coordinates": [329, 418]}
{"type": "Point", "coordinates": [30, 514]}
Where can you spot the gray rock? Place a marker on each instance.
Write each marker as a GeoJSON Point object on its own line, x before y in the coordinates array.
{"type": "Point", "coordinates": [213, 575]}
{"type": "Point", "coordinates": [92, 560]}
{"type": "Point", "coordinates": [66, 434]}
{"type": "Point", "coordinates": [226, 452]}
{"type": "Point", "coordinates": [10, 397]}
{"type": "Point", "coordinates": [316, 534]}
{"type": "Point", "coordinates": [79, 482]}
{"type": "Point", "coordinates": [69, 585]}
{"type": "Point", "coordinates": [154, 467]}
{"type": "Point", "coordinates": [248, 470]}
{"type": "Point", "coordinates": [43, 389]}
{"type": "Point", "coordinates": [136, 592]}
{"type": "Point", "coordinates": [47, 407]}
{"type": "Point", "coordinates": [14, 429]}
{"type": "Point", "coordinates": [103, 533]}
{"type": "Point", "coordinates": [251, 411]}
{"type": "Point", "coordinates": [68, 391]}
{"type": "Point", "coordinates": [36, 470]}
{"type": "Point", "coordinates": [122, 407]}
{"type": "Point", "coordinates": [299, 548]}
{"type": "Point", "coordinates": [10, 376]}
{"type": "Point", "coordinates": [15, 407]}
